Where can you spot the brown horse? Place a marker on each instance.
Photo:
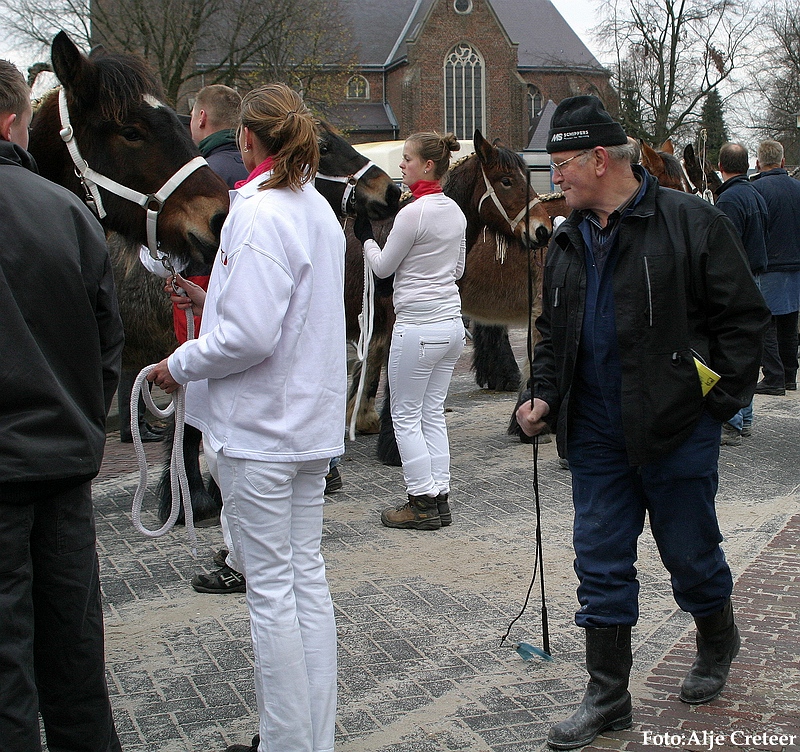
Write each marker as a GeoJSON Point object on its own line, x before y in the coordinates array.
{"type": "Point", "coordinates": [664, 165]}
{"type": "Point", "coordinates": [505, 219]}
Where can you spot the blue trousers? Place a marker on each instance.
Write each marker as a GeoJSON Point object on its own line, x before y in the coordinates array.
{"type": "Point", "coordinates": [611, 499]}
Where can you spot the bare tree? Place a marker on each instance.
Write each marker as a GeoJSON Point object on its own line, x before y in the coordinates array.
{"type": "Point", "coordinates": [777, 79]}
{"type": "Point", "coordinates": [669, 55]}
{"type": "Point", "coordinates": [191, 43]}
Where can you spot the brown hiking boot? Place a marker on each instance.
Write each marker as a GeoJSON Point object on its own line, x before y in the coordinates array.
{"type": "Point", "coordinates": [419, 513]}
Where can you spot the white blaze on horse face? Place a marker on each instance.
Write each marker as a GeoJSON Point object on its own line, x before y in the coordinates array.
{"type": "Point", "coordinates": [152, 101]}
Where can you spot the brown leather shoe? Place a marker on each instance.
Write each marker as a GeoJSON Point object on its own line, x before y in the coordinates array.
{"type": "Point", "coordinates": [418, 513]}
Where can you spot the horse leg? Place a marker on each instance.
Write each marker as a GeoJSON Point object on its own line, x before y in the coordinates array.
{"type": "Point", "coordinates": [206, 503]}
{"type": "Point", "coordinates": [367, 420]}
{"type": "Point", "coordinates": [387, 450]}
{"type": "Point", "coordinates": [493, 359]}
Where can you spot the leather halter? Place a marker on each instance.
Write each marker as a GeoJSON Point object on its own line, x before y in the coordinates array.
{"type": "Point", "coordinates": [490, 193]}
{"type": "Point", "coordinates": [153, 203]}
{"type": "Point", "coordinates": [350, 183]}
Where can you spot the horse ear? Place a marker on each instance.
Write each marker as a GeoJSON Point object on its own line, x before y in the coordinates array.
{"type": "Point", "coordinates": [69, 63]}
{"type": "Point", "coordinates": [688, 154]}
{"type": "Point", "coordinates": [97, 51]}
{"type": "Point", "coordinates": [482, 147]}
{"type": "Point", "coordinates": [668, 147]}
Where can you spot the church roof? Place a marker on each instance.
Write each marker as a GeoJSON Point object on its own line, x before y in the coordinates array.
{"type": "Point", "coordinates": [382, 27]}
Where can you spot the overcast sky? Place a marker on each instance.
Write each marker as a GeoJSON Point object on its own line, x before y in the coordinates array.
{"type": "Point", "coordinates": [581, 15]}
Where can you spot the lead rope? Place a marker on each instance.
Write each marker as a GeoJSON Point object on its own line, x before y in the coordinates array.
{"type": "Point", "coordinates": [524, 649]}
{"type": "Point", "coordinates": [179, 483]}
{"type": "Point", "coordinates": [366, 321]}
{"type": "Point", "coordinates": [706, 193]}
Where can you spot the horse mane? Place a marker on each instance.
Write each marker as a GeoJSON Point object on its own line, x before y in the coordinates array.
{"type": "Point", "coordinates": [121, 80]}
{"type": "Point", "coordinates": [459, 181]}
{"type": "Point", "coordinates": [672, 166]}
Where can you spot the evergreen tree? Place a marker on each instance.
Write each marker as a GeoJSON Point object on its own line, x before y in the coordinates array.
{"type": "Point", "coordinates": [712, 119]}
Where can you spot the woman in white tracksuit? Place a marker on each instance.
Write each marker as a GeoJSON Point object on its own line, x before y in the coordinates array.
{"type": "Point", "coordinates": [426, 252]}
{"type": "Point", "coordinates": [268, 383]}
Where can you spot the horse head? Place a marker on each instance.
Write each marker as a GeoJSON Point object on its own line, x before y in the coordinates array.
{"type": "Point", "coordinates": [492, 189]}
{"type": "Point", "coordinates": [702, 177]}
{"type": "Point", "coordinates": [110, 112]}
{"type": "Point", "coordinates": [350, 182]}
{"type": "Point", "coordinates": [663, 165]}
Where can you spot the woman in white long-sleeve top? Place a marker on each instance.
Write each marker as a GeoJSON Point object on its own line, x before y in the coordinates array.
{"type": "Point", "coordinates": [425, 251]}
{"type": "Point", "coordinates": [268, 382]}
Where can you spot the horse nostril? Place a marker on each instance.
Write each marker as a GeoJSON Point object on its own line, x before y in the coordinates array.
{"type": "Point", "coordinates": [542, 235]}
{"type": "Point", "coordinates": [216, 222]}
{"type": "Point", "coordinates": [393, 193]}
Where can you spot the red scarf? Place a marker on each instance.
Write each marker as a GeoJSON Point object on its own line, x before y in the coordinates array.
{"type": "Point", "coordinates": [265, 166]}
{"type": "Point", "coordinates": [424, 187]}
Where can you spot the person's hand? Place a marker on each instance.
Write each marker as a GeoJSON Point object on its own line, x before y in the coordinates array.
{"type": "Point", "coordinates": [195, 297]}
{"type": "Point", "coordinates": [530, 416]}
{"type": "Point", "coordinates": [161, 377]}
{"type": "Point", "coordinates": [362, 228]}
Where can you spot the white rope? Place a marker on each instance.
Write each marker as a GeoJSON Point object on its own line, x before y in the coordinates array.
{"type": "Point", "coordinates": [179, 484]}
{"type": "Point", "coordinates": [705, 193]}
{"type": "Point", "coordinates": [366, 321]}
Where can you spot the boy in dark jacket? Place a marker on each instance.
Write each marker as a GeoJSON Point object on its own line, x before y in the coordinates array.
{"type": "Point", "coordinates": [60, 345]}
{"type": "Point", "coordinates": [642, 283]}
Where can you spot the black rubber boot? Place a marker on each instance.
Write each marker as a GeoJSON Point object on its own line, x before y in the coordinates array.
{"type": "Point", "coordinates": [607, 702]}
{"type": "Point", "coordinates": [253, 747]}
{"type": "Point", "coordinates": [718, 643]}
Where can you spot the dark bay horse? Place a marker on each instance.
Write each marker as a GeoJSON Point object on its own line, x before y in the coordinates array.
{"type": "Point", "coordinates": [124, 131]}
{"type": "Point", "coordinates": [701, 173]}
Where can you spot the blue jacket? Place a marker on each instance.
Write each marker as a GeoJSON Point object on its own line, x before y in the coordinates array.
{"type": "Point", "coordinates": [746, 208]}
{"type": "Point", "coordinates": [782, 195]}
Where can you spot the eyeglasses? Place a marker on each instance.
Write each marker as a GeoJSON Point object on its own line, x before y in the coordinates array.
{"type": "Point", "coordinates": [558, 167]}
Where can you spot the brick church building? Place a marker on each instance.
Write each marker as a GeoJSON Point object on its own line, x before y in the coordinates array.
{"type": "Point", "coordinates": [458, 65]}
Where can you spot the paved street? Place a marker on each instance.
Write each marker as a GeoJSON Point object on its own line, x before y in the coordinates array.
{"type": "Point", "coordinates": [421, 614]}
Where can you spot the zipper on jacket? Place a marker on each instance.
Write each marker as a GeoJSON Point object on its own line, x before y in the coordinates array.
{"type": "Point", "coordinates": [649, 291]}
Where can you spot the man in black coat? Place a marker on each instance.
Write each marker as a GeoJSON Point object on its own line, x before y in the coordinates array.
{"type": "Point", "coordinates": [60, 345]}
{"type": "Point", "coordinates": [645, 290]}
{"type": "Point", "coordinates": [746, 208]}
{"type": "Point", "coordinates": [780, 282]}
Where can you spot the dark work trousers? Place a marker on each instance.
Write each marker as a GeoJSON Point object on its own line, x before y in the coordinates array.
{"type": "Point", "coordinates": [611, 499]}
{"type": "Point", "coordinates": [51, 628]}
{"type": "Point", "coordinates": [779, 361]}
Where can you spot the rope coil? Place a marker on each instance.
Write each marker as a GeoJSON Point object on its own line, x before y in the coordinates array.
{"type": "Point", "coordinates": [179, 483]}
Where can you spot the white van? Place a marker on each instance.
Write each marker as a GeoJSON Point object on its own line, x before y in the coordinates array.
{"type": "Point", "coordinates": [388, 154]}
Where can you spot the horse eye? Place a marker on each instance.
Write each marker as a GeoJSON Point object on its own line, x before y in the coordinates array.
{"type": "Point", "coordinates": [131, 134]}
{"type": "Point", "coordinates": [507, 182]}
{"type": "Point", "coordinates": [323, 148]}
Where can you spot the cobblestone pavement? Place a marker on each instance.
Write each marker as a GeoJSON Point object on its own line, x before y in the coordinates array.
{"type": "Point", "coordinates": [421, 614]}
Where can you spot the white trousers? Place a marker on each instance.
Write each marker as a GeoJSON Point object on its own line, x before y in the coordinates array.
{"type": "Point", "coordinates": [274, 513]}
{"type": "Point", "coordinates": [211, 460]}
{"type": "Point", "coordinates": [421, 362]}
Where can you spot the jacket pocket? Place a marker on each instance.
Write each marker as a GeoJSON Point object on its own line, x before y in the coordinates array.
{"type": "Point", "coordinates": [674, 392]}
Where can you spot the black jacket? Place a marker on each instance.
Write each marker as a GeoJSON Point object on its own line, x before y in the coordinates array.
{"type": "Point", "coordinates": [681, 283]}
{"type": "Point", "coordinates": [782, 195]}
{"type": "Point", "coordinates": [60, 331]}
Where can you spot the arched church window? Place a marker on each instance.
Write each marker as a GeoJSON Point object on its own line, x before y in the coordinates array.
{"type": "Point", "coordinates": [464, 91]}
{"type": "Point", "coordinates": [358, 88]}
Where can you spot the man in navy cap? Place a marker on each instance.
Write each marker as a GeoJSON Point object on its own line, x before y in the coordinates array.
{"type": "Point", "coordinates": [644, 289]}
